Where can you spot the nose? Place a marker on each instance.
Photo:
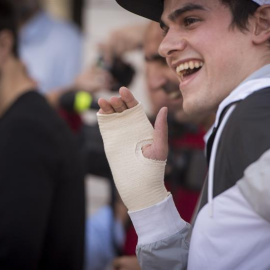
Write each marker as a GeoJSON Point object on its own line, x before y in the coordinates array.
{"type": "Point", "coordinates": [171, 43]}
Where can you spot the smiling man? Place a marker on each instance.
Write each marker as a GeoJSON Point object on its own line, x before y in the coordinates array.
{"type": "Point", "coordinates": [219, 49]}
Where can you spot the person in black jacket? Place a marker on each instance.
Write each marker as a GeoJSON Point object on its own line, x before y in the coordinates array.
{"type": "Point", "coordinates": [42, 202]}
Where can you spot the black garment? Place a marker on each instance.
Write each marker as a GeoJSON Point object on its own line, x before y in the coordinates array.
{"type": "Point", "coordinates": [42, 202]}
{"type": "Point", "coordinates": [246, 136]}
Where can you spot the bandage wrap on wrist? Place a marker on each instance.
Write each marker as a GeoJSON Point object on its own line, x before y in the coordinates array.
{"type": "Point", "coordinates": [140, 181]}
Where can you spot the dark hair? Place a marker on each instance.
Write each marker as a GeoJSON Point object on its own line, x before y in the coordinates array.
{"type": "Point", "coordinates": [241, 11]}
{"type": "Point", "coordinates": [8, 21]}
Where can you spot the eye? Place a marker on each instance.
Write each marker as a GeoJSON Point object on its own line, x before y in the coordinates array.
{"type": "Point", "coordinates": [165, 31]}
{"type": "Point", "coordinates": [188, 21]}
{"type": "Point", "coordinates": [164, 28]}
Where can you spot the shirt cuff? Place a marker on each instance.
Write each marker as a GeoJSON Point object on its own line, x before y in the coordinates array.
{"type": "Point", "coordinates": [157, 222]}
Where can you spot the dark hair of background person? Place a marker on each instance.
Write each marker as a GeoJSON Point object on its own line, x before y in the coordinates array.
{"type": "Point", "coordinates": [241, 11]}
{"type": "Point", "coordinates": [9, 21]}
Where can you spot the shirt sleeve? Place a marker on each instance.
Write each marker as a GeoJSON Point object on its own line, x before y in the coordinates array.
{"type": "Point", "coordinates": [255, 185]}
{"type": "Point", "coordinates": [162, 236]}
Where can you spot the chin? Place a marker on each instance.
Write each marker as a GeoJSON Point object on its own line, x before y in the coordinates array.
{"type": "Point", "coordinates": [190, 108]}
{"type": "Point", "coordinates": [195, 108]}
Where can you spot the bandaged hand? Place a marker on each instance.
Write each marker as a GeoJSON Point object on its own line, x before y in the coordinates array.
{"type": "Point", "coordinates": [135, 150]}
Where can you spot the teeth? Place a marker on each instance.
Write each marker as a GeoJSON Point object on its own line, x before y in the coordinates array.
{"type": "Point", "coordinates": [174, 95]}
{"type": "Point", "coordinates": [191, 65]}
{"type": "Point", "coordinates": [188, 65]}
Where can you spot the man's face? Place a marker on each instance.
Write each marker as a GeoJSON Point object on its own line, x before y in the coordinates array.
{"type": "Point", "coordinates": [207, 54]}
{"type": "Point", "coordinates": [161, 81]}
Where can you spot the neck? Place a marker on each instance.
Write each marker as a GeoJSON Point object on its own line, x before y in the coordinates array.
{"type": "Point", "coordinates": [14, 82]}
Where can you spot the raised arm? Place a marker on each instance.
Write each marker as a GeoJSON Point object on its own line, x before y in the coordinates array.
{"type": "Point", "coordinates": [133, 145]}
{"type": "Point", "coordinates": [137, 155]}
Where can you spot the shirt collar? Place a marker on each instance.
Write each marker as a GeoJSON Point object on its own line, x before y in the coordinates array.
{"type": "Point", "coordinates": [255, 82]}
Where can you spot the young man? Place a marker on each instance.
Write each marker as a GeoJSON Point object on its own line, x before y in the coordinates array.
{"type": "Point", "coordinates": [41, 184]}
{"type": "Point", "coordinates": [219, 50]}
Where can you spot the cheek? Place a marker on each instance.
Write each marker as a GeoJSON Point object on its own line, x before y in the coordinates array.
{"type": "Point", "coordinates": [224, 75]}
{"type": "Point", "coordinates": [156, 97]}
{"type": "Point", "coordinates": [1, 58]}
{"type": "Point", "coordinates": [202, 100]}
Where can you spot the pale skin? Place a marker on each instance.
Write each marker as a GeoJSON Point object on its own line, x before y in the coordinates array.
{"type": "Point", "coordinates": [158, 150]}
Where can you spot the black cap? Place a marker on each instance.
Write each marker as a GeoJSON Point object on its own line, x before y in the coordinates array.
{"type": "Point", "coordinates": [150, 9]}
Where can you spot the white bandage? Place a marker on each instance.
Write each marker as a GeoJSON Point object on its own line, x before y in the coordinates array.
{"type": "Point", "coordinates": [140, 181]}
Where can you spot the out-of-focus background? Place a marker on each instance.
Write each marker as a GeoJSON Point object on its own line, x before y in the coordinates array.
{"type": "Point", "coordinates": [97, 19]}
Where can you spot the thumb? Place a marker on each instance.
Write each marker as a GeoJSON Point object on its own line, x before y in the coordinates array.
{"type": "Point", "coordinates": [160, 143]}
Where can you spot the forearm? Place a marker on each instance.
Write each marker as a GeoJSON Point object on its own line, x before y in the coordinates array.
{"type": "Point", "coordinates": [139, 180]}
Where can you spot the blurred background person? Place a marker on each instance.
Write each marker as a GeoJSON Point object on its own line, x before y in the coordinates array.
{"type": "Point", "coordinates": [50, 48]}
{"type": "Point", "coordinates": [51, 51]}
{"type": "Point", "coordinates": [54, 157]}
{"type": "Point", "coordinates": [42, 199]}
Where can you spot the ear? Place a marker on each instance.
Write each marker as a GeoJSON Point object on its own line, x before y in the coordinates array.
{"type": "Point", "coordinates": [261, 31]}
{"type": "Point", "coordinates": [6, 44]}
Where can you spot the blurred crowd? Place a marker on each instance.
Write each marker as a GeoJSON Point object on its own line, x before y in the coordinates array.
{"type": "Point", "coordinates": [45, 160]}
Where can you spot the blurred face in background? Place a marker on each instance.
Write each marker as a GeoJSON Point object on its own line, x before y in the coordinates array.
{"type": "Point", "coordinates": [162, 83]}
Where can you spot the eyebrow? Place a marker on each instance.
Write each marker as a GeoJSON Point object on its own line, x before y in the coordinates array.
{"type": "Point", "coordinates": [178, 12]}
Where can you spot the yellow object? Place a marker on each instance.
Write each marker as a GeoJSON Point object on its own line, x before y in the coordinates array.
{"type": "Point", "coordinates": [82, 101]}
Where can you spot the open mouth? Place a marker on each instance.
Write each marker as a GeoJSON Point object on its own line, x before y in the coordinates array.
{"type": "Point", "coordinates": [188, 68]}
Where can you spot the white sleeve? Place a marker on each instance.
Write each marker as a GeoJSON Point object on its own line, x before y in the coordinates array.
{"type": "Point", "coordinates": [162, 236]}
{"type": "Point", "coordinates": [255, 185]}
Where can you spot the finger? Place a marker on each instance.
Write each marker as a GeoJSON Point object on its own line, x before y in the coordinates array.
{"type": "Point", "coordinates": [101, 111]}
{"type": "Point", "coordinates": [105, 106]}
{"type": "Point", "coordinates": [118, 104]}
{"type": "Point", "coordinates": [160, 143]}
{"type": "Point", "coordinates": [127, 97]}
